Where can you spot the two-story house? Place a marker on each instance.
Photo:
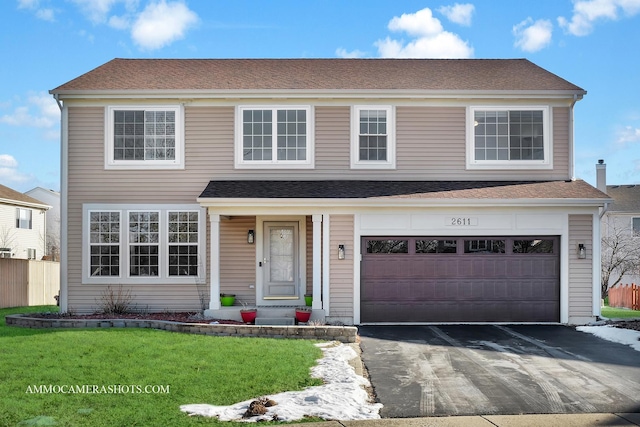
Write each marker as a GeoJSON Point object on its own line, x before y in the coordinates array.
{"type": "Point", "coordinates": [23, 228]}
{"type": "Point", "coordinates": [51, 198]}
{"type": "Point", "coordinates": [391, 190]}
{"type": "Point", "coordinates": [620, 230]}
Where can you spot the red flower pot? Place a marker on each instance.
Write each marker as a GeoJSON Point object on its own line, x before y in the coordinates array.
{"type": "Point", "coordinates": [248, 316]}
{"type": "Point", "coordinates": [303, 315]}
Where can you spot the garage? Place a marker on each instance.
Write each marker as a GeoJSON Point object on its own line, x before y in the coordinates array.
{"type": "Point", "coordinates": [460, 279]}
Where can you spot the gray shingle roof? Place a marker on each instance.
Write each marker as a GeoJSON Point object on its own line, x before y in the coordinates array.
{"type": "Point", "coordinates": [318, 74]}
{"type": "Point", "coordinates": [352, 189]}
{"type": "Point", "coordinates": [626, 198]}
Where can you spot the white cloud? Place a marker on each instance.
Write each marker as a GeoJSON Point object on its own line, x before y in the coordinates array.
{"type": "Point", "coordinates": [8, 161]}
{"type": "Point", "coordinates": [628, 134]}
{"type": "Point", "coordinates": [533, 36]}
{"type": "Point", "coordinates": [161, 23]}
{"type": "Point", "coordinates": [587, 12]}
{"type": "Point", "coordinates": [431, 41]}
{"type": "Point", "coordinates": [343, 53]}
{"type": "Point", "coordinates": [421, 23]}
{"type": "Point", "coordinates": [95, 10]}
{"type": "Point", "coordinates": [43, 13]}
{"type": "Point", "coordinates": [458, 13]}
{"type": "Point", "coordinates": [9, 173]}
{"type": "Point", "coordinates": [46, 115]}
{"type": "Point", "coordinates": [119, 22]}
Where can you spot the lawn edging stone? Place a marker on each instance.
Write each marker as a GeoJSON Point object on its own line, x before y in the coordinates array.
{"type": "Point", "coordinates": [344, 334]}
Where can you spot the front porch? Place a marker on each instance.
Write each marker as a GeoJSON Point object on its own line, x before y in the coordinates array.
{"type": "Point", "coordinates": [269, 262]}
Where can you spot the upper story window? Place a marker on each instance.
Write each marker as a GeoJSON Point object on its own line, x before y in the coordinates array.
{"type": "Point", "coordinates": [508, 138]}
{"type": "Point", "coordinates": [144, 137]}
{"type": "Point", "coordinates": [279, 137]}
{"type": "Point", "coordinates": [24, 218]}
{"type": "Point", "coordinates": [373, 137]}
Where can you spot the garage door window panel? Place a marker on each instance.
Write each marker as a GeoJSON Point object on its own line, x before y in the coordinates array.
{"type": "Point", "coordinates": [388, 246]}
{"type": "Point", "coordinates": [436, 246]}
{"type": "Point", "coordinates": [533, 246]}
{"type": "Point", "coordinates": [484, 246]}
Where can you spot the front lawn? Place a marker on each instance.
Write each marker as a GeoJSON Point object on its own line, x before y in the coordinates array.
{"type": "Point", "coordinates": [619, 313]}
{"type": "Point", "coordinates": [194, 369]}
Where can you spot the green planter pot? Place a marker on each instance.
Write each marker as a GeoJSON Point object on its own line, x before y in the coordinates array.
{"type": "Point", "coordinates": [308, 299]}
{"type": "Point", "coordinates": [227, 300]}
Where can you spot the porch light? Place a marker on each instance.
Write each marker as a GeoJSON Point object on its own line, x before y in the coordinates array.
{"type": "Point", "coordinates": [250, 236]}
{"type": "Point", "coordinates": [340, 251]}
{"type": "Point", "coordinates": [582, 251]}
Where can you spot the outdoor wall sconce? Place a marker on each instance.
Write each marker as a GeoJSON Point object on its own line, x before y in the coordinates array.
{"type": "Point", "coordinates": [250, 236]}
{"type": "Point", "coordinates": [582, 251]}
{"type": "Point", "coordinates": [340, 251]}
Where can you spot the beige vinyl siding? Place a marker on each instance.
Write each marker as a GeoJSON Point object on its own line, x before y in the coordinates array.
{"type": "Point", "coordinates": [430, 145]}
{"type": "Point", "coordinates": [341, 270]}
{"type": "Point", "coordinates": [89, 182]}
{"type": "Point", "coordinates": [237, 259]}
{"type": "Point", "coordinates": [580, 270]}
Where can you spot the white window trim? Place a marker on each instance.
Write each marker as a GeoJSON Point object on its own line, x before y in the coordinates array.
{"type": "Point", "coordinates": [356, 163]}
{"type": "Point", "coordinates": [547, 163]}
{"type": "Point", "coordinates": [111, 163]}
{"type": "Point", "coordinates": [240, 163]}
{"type": "Point", "coordinates": [163, 250]}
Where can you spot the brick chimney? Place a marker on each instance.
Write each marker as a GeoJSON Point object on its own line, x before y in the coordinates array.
{"type": "Point", "coordinates": [601, 176]}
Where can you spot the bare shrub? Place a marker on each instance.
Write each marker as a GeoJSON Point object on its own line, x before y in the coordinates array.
{"type": "Point", "coordinates": [115, 301]}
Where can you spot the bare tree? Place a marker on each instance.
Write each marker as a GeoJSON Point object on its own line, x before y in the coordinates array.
{"type": "Point", "coordinates": [620, 255]}
{"type": "Point", "coordinates": [7, 237]}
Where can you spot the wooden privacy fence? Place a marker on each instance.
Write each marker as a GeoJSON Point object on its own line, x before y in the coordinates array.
{"type": "Point", "coordinates": [626, 296]}
{"type": "Point", "coordinates": [28, 282]}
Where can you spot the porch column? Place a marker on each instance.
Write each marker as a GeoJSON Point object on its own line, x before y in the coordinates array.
{"type": "Point", "coordinates": [214, 237]}
{"type": "Point", "coordinates": [317, 261]}
{"type": "Point", "coordinates": [326, 256]}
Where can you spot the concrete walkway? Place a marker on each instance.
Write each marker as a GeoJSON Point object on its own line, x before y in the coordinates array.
{"type": "Point", "coordinates": [546, 420]}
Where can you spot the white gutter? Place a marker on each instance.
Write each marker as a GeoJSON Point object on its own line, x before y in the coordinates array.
{"type": "Point", "coordinates": [25, 204]}
{"type": "Point", "coordinates": [314, 93]}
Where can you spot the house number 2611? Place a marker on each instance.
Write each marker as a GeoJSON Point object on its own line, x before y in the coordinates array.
{"type": "Point", "coordinates": [458, 221]}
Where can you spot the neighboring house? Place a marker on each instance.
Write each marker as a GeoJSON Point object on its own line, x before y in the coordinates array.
{"type": "Point", "coordinates": [52, 198]}
{"type": "Point", "coordinates": [23, 228]}
{"type": "Point", "coordinates": [391, 190]}
{"type": "Point", "coordinates": [621, 224]}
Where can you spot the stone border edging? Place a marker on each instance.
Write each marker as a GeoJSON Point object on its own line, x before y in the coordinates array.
{"type": "Point", "coordinates": [344, 334]}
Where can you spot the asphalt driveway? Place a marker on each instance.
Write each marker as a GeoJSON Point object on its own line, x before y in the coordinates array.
{"type": "Point", "coordinates": [441, 370]}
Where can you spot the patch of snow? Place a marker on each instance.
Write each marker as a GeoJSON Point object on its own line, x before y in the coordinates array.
{"type": "Point", "coordinates": [611, 333]}
{"type": "Point", "coordinates": [342, 397]}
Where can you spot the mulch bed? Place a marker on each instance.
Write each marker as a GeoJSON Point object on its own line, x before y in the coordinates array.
{"type": "Point", "coordinates": [625, 324]}
{"type": "Point", "coordinates": [184, 317]}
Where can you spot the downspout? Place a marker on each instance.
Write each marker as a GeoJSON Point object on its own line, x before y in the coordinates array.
{"type": "Point", "coordinates": [572, 159]}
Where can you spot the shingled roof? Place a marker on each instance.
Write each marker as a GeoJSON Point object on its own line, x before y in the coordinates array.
{"type": "Point", "coordinates": [626, 198]}
{"type": "Point", "coordinates": [10, 196]}
{"type": "Point", "coordinates": [408, 190]}
{"type": "Point", "coordinates": [317, 74]}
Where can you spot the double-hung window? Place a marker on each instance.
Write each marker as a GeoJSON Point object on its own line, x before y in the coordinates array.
{"type": "Point", "coordinates": [144, 137]}
{"type": "Point", "coordinates": [129, 244]}
{"type": "Point", "coordinates": [24, 218]}
{"type": "Point", "coordinates": [506, 138]}
{"type": "Point", "coordinates": [373, 137]}
{"type": "Point", "coordinates": [274, 137]}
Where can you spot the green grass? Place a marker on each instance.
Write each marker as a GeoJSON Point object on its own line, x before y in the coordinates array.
{"type": "Point", "coordinates": [197, 369]}
{"type": "Point", "coordinates": [619, 313]}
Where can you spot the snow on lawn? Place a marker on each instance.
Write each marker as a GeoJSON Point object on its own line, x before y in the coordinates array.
{"type": "Point", "coordinates": [611, 333]}
{"type": "Point", "coordinates": [342, 397]}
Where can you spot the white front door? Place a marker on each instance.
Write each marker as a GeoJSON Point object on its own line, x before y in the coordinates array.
{"type": "Point", "coordinates": [281, 260]}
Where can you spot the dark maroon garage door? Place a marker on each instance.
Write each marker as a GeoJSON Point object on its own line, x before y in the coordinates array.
{"type": "Point", "coordinates": [468, 279]}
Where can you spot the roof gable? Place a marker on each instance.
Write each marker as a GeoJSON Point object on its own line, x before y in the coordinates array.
{"type": "Point", "coordinates": [317, 74]}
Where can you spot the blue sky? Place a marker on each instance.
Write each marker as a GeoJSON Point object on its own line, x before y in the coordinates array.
{"type": "Point", "coordinates": [591, 43]}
